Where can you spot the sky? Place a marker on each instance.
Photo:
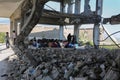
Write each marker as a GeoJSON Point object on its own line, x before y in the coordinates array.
{"type": "Point", "coordinates": [110, 8]}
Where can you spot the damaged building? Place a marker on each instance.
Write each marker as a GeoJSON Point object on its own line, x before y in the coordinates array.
{"type": "Point", "coordinates": [48, 63]}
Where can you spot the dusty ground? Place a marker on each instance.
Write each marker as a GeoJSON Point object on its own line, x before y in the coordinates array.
{"type": "Point", "coordinates": [4, 54]}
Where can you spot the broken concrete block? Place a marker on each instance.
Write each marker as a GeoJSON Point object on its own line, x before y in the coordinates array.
{"type": "Point", "coordinates": [81, 78]}
{"type": "Point", "coordinates": [39, 77]}
{"type": "Point", "coordinates": [46, 78]}
{"type": "Point", "coordinates": [54, 73]}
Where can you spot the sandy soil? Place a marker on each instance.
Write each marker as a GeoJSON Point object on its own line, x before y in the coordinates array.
{"type": "Point", "coordinates": [4, 54]}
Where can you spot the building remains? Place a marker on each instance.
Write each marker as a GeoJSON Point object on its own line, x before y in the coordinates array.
{"type": "Point", "coordinates": [60, 64]}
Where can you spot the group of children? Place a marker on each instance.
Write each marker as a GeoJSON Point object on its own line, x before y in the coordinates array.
{"type": "Point", "coordinates": [70, 43]}
{"type": "Point", "coordinates": [43, 43]}
{"type": "Point", "coordinates": [53, 43]}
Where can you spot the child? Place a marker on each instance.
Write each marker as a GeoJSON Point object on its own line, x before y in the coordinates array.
{"type": "Point", "coordinates": [14, 37]}
{"type": "Point", "coordinates": [7, 40]}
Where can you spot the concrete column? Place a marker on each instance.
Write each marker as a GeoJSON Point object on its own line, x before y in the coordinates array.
{"type": "Point", "coordinates": [96, 35]}
{"type": "Point", "coordinates": [62, 7]}
{"type": "Point", "coordinates": [19, 28]}
{"type": "Point", "coordinates": [15, 25]}
{"type": "Point", "coordinates": [96, 30]}
{"type": "Point", "coordinates": [87, 8]}
{"type": "Point", "coordinates": [77, 11]}
{"type": "Point", "coordinates": [61, 31]}
{"type": "Point", "coordinates": [76, 32]}
{"type": "Point", "coordinates": [86, 5]}
{"type": "Point", "coordinates": [99, 7]}
{"type": "Point", "coordinates": [77, 6]}
{"type": "Point", "coordinates": [70, 7]}
{"type": "Point", "coordinates": [11, 27]}
{"type": "Point", "coordinates": [61, 28]}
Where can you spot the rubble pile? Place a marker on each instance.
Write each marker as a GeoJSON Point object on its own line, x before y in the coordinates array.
{"type": "Point", "coordinates": [67, 64]}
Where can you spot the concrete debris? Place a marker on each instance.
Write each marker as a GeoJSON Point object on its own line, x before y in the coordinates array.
{"type": "Point", "coordinates": [81, 78]}
{"type": "Point", "coordinates": [66, 64]}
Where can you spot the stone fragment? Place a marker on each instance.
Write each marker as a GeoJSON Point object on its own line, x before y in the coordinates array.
{"type": "Point", "coordinates": [45, 71]}
{"type": "Point", "coordinates": [55, 73]}
{"type": "Point", "coordinates": [81, 78]}
{"type": "Point", "coordinates": [71, 66]}
{"type": "Point", "coordinates": [47, 78]}
{"type": "Point", "coordinates": [39, 77]}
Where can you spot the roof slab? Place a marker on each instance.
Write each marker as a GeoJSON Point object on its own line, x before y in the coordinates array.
{"type": "Point", "coordinates": [7, 7]}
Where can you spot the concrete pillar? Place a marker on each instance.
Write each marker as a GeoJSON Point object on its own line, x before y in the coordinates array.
{"type": "Point", "coordinates": [77, 11]}
{"type": "Point", "coordinates": [15, 25]}
{"type": "Point", "coordinates": [77, 6]}
{"type": "Point", "coordinates": [11, 28]}
{"type": "Point", "coordinates": [76, 32]}
{"type": "Point", "coordinates": [96, 35]}
{"type": "Point", "coordinates": [96, 30]}
{"type": "Point", "coordinates": [19, 28]}
{"type": "Point", "coordinates": [61, 28]}
{"type": "Point", "coordinates": [86, 6]}
{"type": "Point", "coordinates": [62, 7]}
{"type": "Point", "coordinates": [70, 7]}
{"type": "Point", "coordinates": [99, 7]}
{"type": "Point", "coordinates": [61, 31]}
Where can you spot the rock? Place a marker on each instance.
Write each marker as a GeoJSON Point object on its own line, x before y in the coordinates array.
{"type": "Point", "coordinates": [39, 77]}
{"type": "Point", "coordinates": [92, 75]}
{"type": "Point", "coordinates": [55, 73]}
{"type": "Point", "coordinates": [37, 72]}
{"type": "Point", "coordinates": [47, 78]}
{"type": "Point", "coordinates": [111, 75]}
{"type": "Point", "coordinates": [45, 72]}
{"type": "Point", "coordinates": [67, 74]}
{"type": "Point", "coordinates": [54, 61]}
{"type": "Point", "coordinates": [81, 78]}
{"type": "Point", "coordinates": [31, 71]}
{"type": "Point", "coordinates": [71, 66]}
{"type": "Point", "coordinates": [71, 78]}
{"type": "Point", "coordinates": [102, 66]}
